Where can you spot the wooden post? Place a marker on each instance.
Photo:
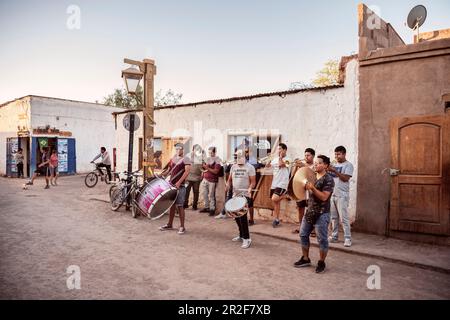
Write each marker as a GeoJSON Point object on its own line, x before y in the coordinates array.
{"type": "Point", "coordinates": [148, 114]}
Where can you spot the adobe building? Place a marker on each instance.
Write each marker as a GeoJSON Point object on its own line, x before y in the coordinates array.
{"type": "Point", "coordinates": [391, 111]}
{"type": "Point", "coordinates": [404, 125]}
{"type": "Point", "coordinates": [75, 129]}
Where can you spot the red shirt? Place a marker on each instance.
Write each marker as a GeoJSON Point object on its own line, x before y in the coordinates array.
{"type": "Point", "coordinates": [177, 167]}
{"type": "Point", "coordinates": [211, 177]}
{"type": "Point", "coordinates": [54, 160]}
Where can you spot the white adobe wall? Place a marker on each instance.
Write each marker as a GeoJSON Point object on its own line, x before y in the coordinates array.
{"type": "Point", "coordinates": [92, 125]}
{"type": "Point", "coordinates": [12, 115]}
{"type": "Point", "coordinates": [318, 119]}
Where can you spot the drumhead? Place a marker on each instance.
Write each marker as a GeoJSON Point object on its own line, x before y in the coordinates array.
{"type": "Point", "coordinates": [235, 204]}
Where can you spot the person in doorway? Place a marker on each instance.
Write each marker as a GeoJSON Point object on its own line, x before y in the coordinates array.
{"type": "Point", "coordinates": [280, 181]}
{"type": "Point", "coordinates": [178, 168]}
{"type": "Point", "coordinates": [211, 170]}
{"type": "Point", "coordinates": [301, 205]}
{"type": "Point", "coordinates": [106, 162]}
{"type": "Point", "coordinates": [19, 162]}
{"type": "Point", "coordinates": [195, 176]}
{"type": "Point", "coordinates": [243, 180]}
{"type": "Point", "coordinates": [342, 172]}
{"type": "Point", "coordinates": [53, 167]}
{"type": "Point", "coordinates": [42, 169]}
{"type": "Point", "coordinates": [317, 214]}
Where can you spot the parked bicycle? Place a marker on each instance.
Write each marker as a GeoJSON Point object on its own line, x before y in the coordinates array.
{"type": "Point", "coordinates": [92, 177]}
{"type": "Point", "coordinates": [120, 192]}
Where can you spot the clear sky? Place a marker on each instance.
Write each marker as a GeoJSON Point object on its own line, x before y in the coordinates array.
{"type": "Point", "coordinates": [203, 49]}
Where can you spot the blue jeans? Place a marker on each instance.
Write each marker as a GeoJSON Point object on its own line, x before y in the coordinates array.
{"type": "Point", "coordinates": [179, 202]}
{"type": "Point", "coordinates": [321, 232]}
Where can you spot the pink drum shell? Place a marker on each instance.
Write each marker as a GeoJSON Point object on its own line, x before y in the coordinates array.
{"type": "Point", "coordinates": [153, 192]}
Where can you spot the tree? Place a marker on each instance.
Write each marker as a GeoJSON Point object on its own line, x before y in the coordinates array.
{"type": "Point", "coordinates": [168, 98]}
{"type": "Point", "coordinates": [121, 98]}
{"type": "Point", "coordinates": [328, 75]}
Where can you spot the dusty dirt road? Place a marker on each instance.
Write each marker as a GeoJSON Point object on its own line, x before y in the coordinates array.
{"type": "Point", "coordinates": [42, 232]}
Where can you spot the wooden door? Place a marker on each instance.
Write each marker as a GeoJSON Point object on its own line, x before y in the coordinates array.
{"type": "Point", "coordinates": [420, 188]}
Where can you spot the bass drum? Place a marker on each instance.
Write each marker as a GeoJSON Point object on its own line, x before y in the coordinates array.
{"type": "Point", "coordinates": [156, 197]}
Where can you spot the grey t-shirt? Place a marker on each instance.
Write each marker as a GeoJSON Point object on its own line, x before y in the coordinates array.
{"type": "Point", "coordinates": [341, 188]}
{"type": "Point", "coordinates": [240, 177]}
{"type": "Point", "coordinates": [195, 174]}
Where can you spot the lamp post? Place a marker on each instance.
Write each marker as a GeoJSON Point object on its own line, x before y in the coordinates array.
{"type": "Point", "coordinates": [132, 77]}
{"type": "Point", "coordinates": [147, 71]}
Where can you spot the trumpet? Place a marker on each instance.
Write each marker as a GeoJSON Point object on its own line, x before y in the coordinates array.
{"type": "Point", "coordinates": [267, 159]}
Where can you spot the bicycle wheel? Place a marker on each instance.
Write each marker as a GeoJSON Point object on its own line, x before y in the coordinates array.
{"type": "Point", "coordinates": [116, 197]}
{"type": "Point", "coordinates": [111, 189]}
{"type": "Point", "coordinates": [91, 180]}
{"type": "Point", "coordinates": [107, 181]}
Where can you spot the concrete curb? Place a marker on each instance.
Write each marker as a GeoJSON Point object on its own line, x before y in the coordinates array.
{"type": "Point", "coordinates": [364, 254]}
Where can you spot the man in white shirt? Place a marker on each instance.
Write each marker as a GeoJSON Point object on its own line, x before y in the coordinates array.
{"type": "Point", "coordinates": [342, 172]}
{"type": "Point", "coordinates": [106, 161]}
{"type": "Point", "coordinates": [280, 181]}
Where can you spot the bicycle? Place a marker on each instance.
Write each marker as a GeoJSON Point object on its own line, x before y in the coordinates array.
{"type": "Point", "coordinates": [120, 192]}
{"type": "Point", "coordinates": [91, 178]}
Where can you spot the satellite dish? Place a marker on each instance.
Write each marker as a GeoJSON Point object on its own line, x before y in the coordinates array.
{"type": "Point", "coordinates": [417, 17]}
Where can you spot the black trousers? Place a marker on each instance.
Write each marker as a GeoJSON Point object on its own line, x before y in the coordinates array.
{"type": "Point", "coordinates": [108, 169]}
{"type": "Point", "coordinates": [242, 223]}
{"type": "Point", "coordinates": [195, 186]}
{"type": "Point", "coordinates": [20, 170]}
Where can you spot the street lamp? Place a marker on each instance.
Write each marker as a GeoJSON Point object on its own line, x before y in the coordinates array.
{"type": "Point", "coordinates": [146, 70]}
{"type": "Point", "coordinates": [132, 77]}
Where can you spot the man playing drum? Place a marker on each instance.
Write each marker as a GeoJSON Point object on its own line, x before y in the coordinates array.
{"type": "Point", "coordinates": [178, 168]}
{"type": "Point", "coordinates": [243, 180]}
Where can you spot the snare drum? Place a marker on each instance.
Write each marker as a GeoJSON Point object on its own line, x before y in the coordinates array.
{"type": "Point", "coordinates": [156, 197]}
{"type": "Point", "coordinates": [236, 207]}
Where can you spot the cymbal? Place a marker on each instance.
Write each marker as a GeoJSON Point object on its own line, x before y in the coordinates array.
{"type": "Point", "coordinates": [302, 176]}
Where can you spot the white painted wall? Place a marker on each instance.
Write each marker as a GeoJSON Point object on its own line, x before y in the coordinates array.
{"type": "Point", "coordinates": [318, 119]}
{"type": "Point", "coordinates": [12, 115]}
{"type": "Point", "coordinates": [92, 125]}
{"type": "Point", "coordinates": [122, 143]}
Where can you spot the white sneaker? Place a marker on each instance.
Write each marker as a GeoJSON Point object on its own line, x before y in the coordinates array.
{"type": "Point", "coordinates": [237, 239]}
{"type": "Point", "coordinates": [347, 243]}
{"type": "Point", "coordinates": [221, 216]}
{"type": "Point", "coordinates": [246, 244]}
